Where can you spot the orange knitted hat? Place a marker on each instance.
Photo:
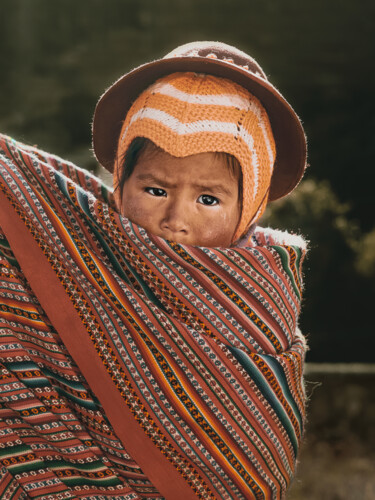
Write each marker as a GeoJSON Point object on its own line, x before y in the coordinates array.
{"type": "Point", "coordinates": [191, 113]}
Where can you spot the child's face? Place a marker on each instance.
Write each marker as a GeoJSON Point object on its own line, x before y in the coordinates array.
{"type": "Point", "coordinates": [191, 200]}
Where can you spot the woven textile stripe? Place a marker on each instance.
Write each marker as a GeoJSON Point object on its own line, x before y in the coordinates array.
{"type": "Point", "coordinates": [201, 345]}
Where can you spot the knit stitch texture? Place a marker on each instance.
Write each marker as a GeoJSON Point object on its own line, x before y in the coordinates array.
{"type": "Point", "coordinates": [190, 113]}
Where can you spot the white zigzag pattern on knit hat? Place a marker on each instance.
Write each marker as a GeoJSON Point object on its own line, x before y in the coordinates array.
{"type": "Point", "coordinates": [199, 126]}
{"type": "Point", "coordinates": [227, 100]}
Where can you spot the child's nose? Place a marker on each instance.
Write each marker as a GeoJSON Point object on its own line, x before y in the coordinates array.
{"type": "Point", "coordinates": [176, 216]}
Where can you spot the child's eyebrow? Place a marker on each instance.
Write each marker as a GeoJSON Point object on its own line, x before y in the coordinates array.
{"type": "Point", "coordinates": [153, 178]}
{"type": "Point", "coordinates": [212, 188]}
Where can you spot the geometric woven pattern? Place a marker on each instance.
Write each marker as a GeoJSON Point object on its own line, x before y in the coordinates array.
{"type": "Point", "coordinates": [190, 355]}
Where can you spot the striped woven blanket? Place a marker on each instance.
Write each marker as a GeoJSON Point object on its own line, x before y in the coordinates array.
{"type": "Point", "coordinates": [134, 367]}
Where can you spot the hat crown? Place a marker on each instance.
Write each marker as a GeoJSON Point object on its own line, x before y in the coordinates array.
{"type": "Point", "coordinates": [221, 60]}
{"type": "Point", "coordinates": [221, 52]}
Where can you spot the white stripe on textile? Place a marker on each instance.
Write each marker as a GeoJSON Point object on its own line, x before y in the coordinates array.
{"type": "Point", "coordinates": [180, 128]}
{"type": "Point", "coordinates": [228, 100]}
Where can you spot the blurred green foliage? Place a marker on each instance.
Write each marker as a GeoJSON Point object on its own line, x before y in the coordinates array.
{"type": "Point", "coordinates": [339, 271]}
{"type": "Point", "coordinates": [57, 57]}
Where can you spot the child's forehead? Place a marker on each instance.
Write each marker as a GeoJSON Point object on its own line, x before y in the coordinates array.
{"type": "Point", "coordinates": [209, 169]}
{"type": "Point", "coordinates": [150, 151]}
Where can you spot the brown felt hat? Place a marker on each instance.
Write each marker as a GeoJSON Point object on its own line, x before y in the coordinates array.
{"type": "Point", "coordinates": [220, 60]}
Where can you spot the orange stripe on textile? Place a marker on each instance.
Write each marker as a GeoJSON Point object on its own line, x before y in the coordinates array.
{"type": "Point", "coordinates": [155, 369]}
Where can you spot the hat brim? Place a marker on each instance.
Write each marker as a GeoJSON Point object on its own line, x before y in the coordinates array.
{"type": "Point", "coordinates": [288, 132]}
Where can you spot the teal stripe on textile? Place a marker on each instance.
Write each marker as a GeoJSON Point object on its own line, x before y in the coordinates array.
{"type": "Point", "coordinates": [285, 257]}
{"type": "Point", "coordinates": [280, 375]}
{"type": "Point", "coordinates": [83, 481]}
{"type": "Point", "coordinates": [83, 201]}
{"type": "Point", "coordinates": [61, 182]}
{"type": "Point", "coordinates": [36, 382]}
{"type": "Point", "coordinates": [17, 449]}
{"type": "Point", "coordinates": [267, 392]}
{"type": "Point", "coordinates": [86, 403]}
{"type": "Point", "coordinates": [20, 367]}
{"type": "Point", "coordinates": [106, 193]}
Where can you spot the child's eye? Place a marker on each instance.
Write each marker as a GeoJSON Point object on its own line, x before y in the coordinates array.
{"type": "Point", "coordinates": [206, 199]}
{"type": "Point", "coordinates": [156, 191]}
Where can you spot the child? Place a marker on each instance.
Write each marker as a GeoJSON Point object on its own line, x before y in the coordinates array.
{"type": "Point", "coordinates": [185, 114]}
{"type": "Point", "coordinates": [150, 345]}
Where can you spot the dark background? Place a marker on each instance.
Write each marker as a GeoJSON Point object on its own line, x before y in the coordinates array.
{"type": "Point", "coordinates": [57, 57]}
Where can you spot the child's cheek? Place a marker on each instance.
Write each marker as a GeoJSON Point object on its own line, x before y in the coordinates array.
{"type": "Point", "coordinates": [219, 230]}
{"type": "Point", "coordinates": [136, 211]}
